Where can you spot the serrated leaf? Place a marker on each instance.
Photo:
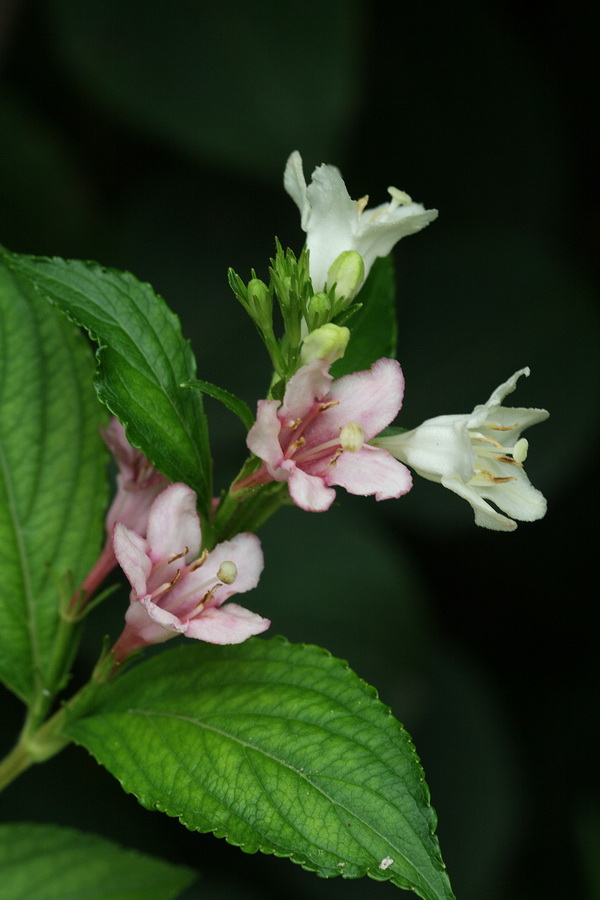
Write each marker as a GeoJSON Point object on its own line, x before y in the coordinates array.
{"type": "Point", "coordinates": [52, 475]}
{"type": "Point", "coordinates": [143, 361]}
{"type": "Point", "coordinates": [277, 747]}
{"type": "Point", "coordinates": [229, 400]}
{"type": "Point", "coordinates": [48, 862]}
{"type": "Point", "coordinates": [374, 329]}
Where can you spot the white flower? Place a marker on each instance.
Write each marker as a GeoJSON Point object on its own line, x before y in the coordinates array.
{"type": "Point", "coordinates": [479, 456]}
{"type": "Point", "coordinates": [334, 223]}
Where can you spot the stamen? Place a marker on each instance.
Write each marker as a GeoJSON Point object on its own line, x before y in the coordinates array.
{"type": "Point", "coordinates": [227, 572]}
{"type": "Point", "coordinates": [509, 460]}
{"type": "Point", "coordinates": [489, 476]}
{"type": "Point", "coordinates": [178, 555]}
{"type": "Point", "coordinates": [520, 450]}
{"type": "Point", "coordinates": [352, 437]}
{"type": "Point", "coordinates": [200, 561]}
{"type": "Point", "coordinates": [399, 198]}
{"type": "Point", "coordinates": [501, 427]}
{"type": "Point", "coordinates": [477, 436]}
{"type": "Point", "coordinates": [292, 424]}
{"type": "Point", "coordinates": [361, 204]}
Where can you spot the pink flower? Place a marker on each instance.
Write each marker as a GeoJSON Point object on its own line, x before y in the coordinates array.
{"type": "Point", "coordinates": [174, 591]}
{"type": "Point", "coordinates": [138, 482]}
{"type": "Point", "coordinates": [318, 436]}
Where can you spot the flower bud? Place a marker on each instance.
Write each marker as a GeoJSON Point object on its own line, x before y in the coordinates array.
{"type": "Point", "coordinates": [319, 310]}
{"type": "Point", "coordinates": [346, 275]}
{"type": "Point", "coordinates": [328, 342]}
{"type": "Point", "coordinates": [259, 302]}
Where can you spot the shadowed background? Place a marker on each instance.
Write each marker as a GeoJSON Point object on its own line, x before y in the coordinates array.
{"type": "Point", "coordinates": [152, 137]}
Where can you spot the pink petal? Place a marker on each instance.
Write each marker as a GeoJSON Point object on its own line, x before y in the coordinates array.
{"type": "Point", "coordinates": [372, 398]}
{"type": "Point", "coordinates": [144, 626]}
{"type": "Point", "coordinates": [173, 524]}
{"type": "Point", "coordinates": [124, 454]}
{"type": "Point", "coordinates": [263, 437]}
{"type": "Point", "coordinates": [310, 383]}
{"type": "Point", "coordinates": [131, 552]}
{"type": "Point", "coordinates": [370, 471]}
{"type": "Point", "coordinates": [309, 491]}
{"type": "Point", "coordinates": [246, 552]}
{"type": "Point", "coordinates": [231, 624]}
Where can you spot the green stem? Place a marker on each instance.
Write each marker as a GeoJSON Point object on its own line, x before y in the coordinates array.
{"type": "Point", "coordinates": [246, 511]}
{"type": "Point", "coordinates": [39, 744]}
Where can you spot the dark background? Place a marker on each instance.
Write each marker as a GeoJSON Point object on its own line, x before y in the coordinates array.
{"type": "Point", "coordinates": [152, 136]}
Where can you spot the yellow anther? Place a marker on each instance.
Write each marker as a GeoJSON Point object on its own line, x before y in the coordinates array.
{"type": "Point", "coordinates": [227, 572]}
{"type": "Point", "coordinates": [352, 437]}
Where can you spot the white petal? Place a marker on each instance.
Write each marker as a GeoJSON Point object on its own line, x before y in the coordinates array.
{"type": "Point", "coordinates": [517, 498]}
{"type": "Point", "coordinates": [485, 515]}
{"type": "Point", "coordinates": [439, 448]}
{"type": "Point", "coordinates": [505, 388]}
{"type": "Point", "coordinates": [295, 185]}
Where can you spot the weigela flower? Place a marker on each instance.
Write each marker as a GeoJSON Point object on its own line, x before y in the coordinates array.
{"type": "Point", "coordinates": [138, 485]}
{"type": "Point", "coordinates": [334, 223]}
{"type": "Point", "coordinates": [176, 592]}
{"type": "Point", "coordinates": [138, 482]}
{"type": "Point", "coordinates": [479, 456]}
{"type": "Point", "coordinates": [318, 436]}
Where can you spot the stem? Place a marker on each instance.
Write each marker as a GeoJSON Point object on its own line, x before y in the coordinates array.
{"type": "Point", "coordinates": [39, 744]}
{"type": "Point", "coordinates": [246, 513]}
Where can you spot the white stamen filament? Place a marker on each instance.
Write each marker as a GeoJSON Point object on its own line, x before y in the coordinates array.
{"type": "Point", "coordinates": [497, 451]}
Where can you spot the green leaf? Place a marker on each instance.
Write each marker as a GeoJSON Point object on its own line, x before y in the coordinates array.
{"type": "Point", "coordinates": [277, 747]}
{"type": "Point", "coordinates": [52, 476]}
{"type": "Point", "coordinates": [48, 862]}
{"type": "Point", "coordinates": [143, 361]}
{"type": "Point", "coordinates": [233, 403]}
{"type": "Point", "coordinates": [373, 329]}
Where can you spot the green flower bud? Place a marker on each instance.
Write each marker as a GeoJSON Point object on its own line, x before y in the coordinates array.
{"type": "Point", "coordinates": [259, 303]}
{"type": "Point", "coordinates": [345, 276]}
{"type": "Point", "coordinates": [328, 342]}
{"type": "Point", "coordinates": [319, 310]}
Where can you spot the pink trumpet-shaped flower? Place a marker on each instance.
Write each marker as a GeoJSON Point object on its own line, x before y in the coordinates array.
{"type": "Point", "coordinates": [138, 485]}
{"type": "Point", "coordinates": [318, 436]}
{"type": "Point", "coordinates": [174, 591]}
{"type": "Point", "coordinates": [138, 482]}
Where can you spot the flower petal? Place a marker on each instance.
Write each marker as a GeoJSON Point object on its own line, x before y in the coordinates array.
{"type": "Point", "coordinates": [246, 552]}
{"type": "Point", "coordinates": [131, 552]}
{"type": "Point", "coordinates": [485, 515]}
{"type": "Point", "coordinates": [379, 231]}
{"type": "Point", "coordinates": [229, 624]}
{"type": "Point", "coordinates": [371, 398]}
{"type": "Point", "coordinates": [370, 471]}
{"type": "Point", "coordinates": [308, 491]}
{"type": "Point", "coordinates": [295, 185]}
{"type": "Point", "coordinates": [173, 524]}
{"type": "Point", "coordinates": [311, 383]}
{"type": "Point", "coordinates": [517, 498]}
{"type": "Point", "coordinates": [263, 437]}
